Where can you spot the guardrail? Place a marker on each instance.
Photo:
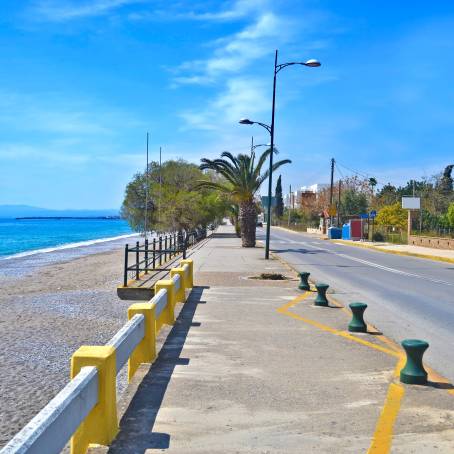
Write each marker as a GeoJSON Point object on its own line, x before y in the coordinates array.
{"type": "Point", "coordinates": [151, 255]}
{"type": "Point", "coordinates": [85, 410]}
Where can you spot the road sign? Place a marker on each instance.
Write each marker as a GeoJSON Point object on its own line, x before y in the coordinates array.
{"type": "Point", "coordinates": [373, 214]}
{"type": "Point", "coordinates": [411, 203]}
{"type": "Point", "coordinates": [364, 216]}
{"type": "Point", "coordinates": [265, 201]}
{"type": "Point", "coordinates": [332, 210]}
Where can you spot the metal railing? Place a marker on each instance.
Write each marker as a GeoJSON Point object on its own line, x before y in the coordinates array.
{"type": "Point", "coordinates": [152, 255]}
{"type": "Point", "coordinates": [50, 430]}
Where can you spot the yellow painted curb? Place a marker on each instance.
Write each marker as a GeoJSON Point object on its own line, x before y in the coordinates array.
{"type": "Point", "coordinates": [300, 231]}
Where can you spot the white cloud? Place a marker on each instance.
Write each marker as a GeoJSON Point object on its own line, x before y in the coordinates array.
{"type": "Point", "coordinates": [241, 97]}
{"type": "Point", "coordinates": [64, 10]}
{"type": "Point", "coordinates": [235, 10]}
{"type": "Point", "coordinates": [234, 53]}
{"type": "Point", "coordinates": [229, 11]}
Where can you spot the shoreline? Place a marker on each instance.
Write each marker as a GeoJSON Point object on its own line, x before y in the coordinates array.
{"type": "Point", "coordinates": [63, 246]}
{"type": "Point", "coordinates": [26, 263]}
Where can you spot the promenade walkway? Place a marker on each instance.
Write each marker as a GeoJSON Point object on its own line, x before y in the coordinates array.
{"type": "Point", "coordinates": [252, 366]}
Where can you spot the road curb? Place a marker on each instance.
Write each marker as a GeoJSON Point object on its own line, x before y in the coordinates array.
{"type": "Point", "coordinates": [403, 253]}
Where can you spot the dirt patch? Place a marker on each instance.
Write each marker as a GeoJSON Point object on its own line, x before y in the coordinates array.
{"type": "Point", "coordinates": [270, 277]}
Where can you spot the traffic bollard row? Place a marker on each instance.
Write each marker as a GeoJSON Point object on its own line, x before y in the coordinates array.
{"type": "Point", "coordinates": [413, 373]}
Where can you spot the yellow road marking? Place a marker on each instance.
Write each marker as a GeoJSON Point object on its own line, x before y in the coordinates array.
{"type": "Point", "coordinates": [399, 366]}
{"type": "Point", "coordinates": [383, 435]}
{"type": "Point", "coordinates": [285, 310]}
{"type": "Point", "coordinates": [343, 334]}
{"type": "Point", "coordinates": [294, 302]}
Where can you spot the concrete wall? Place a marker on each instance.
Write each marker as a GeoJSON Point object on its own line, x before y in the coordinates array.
{"type": "Point", "coordinates": [311, 230]}
{"type": "Point", "coordinates": [427, 241]}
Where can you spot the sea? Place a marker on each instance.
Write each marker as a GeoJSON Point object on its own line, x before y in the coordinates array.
{"type": "Point", "coordinates": [26, 243]}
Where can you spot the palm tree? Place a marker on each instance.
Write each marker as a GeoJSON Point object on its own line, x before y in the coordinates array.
{"type": "Point", "coordinates": [243, 179]}
{"type": "Point", "coordinates": [372, 183]}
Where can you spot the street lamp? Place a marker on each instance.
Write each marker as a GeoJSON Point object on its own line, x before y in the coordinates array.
{"type": "Point", "coordinates": [245, 121]}
{"type": "Point", "coordinates": [261, 145]}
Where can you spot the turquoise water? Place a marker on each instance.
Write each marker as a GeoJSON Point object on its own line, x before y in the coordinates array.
{"type": "Point", "coordinates": [46, 235]}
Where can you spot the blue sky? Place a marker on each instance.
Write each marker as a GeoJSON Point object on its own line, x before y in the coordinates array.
{"type": "Point", "coordinates": [82, 81]}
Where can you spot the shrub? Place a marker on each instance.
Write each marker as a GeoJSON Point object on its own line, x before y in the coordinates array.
{"type": "Point", "coordinates": [378, 236]}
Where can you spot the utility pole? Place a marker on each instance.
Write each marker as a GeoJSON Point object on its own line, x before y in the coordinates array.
{"type": "Point", "coordinates": [331, 192]}
{"type": "Point", "coordinates": [160, 188]}
{"type": "Point", "coordinates": [339, 203]}
{"type": "Point", "coordinates": [146, 195]}
{"type": "Point", "coordinates": [289, 203]}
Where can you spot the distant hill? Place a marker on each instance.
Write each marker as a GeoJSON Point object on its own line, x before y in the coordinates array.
{"type": "Point", "coordinates": [20, 211]}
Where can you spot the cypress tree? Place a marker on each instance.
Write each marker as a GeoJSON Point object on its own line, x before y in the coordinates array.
{"type": "Point", "coordinates": [279, 209]}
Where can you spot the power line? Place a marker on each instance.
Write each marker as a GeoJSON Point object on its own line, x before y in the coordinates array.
{"type": "Point", "coordinates": [361, 174]}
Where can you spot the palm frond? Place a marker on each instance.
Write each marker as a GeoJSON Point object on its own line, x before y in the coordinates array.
{"type": "Point", "coordinates": [276, 166]}
{"type": "Point", "coordinates": [242, 173]}
{"type": "Point", "coordinates": [212, 185]}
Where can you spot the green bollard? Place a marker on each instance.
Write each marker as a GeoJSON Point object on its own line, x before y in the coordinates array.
{"type": "Point", "coordinates": [357, 324]}
{"type": "Point", "coordinates": [304, 284]}
{"type": "Point", "coordinates": [321, 294]}
{"type": "Point", "coordinates": [413, 372]}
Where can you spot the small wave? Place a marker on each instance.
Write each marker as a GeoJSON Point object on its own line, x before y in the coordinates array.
{"type": "Point", "coordinates": [66, 246]}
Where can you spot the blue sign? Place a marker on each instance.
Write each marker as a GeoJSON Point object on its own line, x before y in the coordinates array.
{"type": "Point", "coordinates": [265, 201]}
{"type": "Point", "coordinates": [364, 216]}
{"type": "Point", "coordinates": [373, 214]}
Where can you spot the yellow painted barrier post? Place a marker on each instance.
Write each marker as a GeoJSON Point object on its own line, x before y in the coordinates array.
{"type": "Point", "coordinates": [190, 263]}
{"type": "Point", "coordinates": [145, 352]}
{"type": "Point", "coordinates": [168, 315]}
{"type": "Point", "coordinates": [101, 425]}
{"type": "Point", "coordinates": [181, 292]}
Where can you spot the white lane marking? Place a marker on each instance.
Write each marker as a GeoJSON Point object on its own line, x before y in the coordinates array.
{"type": "Point", "coordinates": [382, 267]}
{"type": "Point", "coordinates": [394, 270]}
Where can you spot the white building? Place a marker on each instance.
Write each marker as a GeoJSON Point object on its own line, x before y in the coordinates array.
{"type": "Point", "coordinates": [293, 200]}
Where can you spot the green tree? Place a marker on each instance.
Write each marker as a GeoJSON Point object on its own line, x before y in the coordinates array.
{"type": "Point", "coordinates": [392, 215]}
{"type": "Point", "coordinates": [450, 215]}
{"type": "Point", "coordinates": [174, 201]}
{"type": "Point", "coordinates": [353, 203]}
{"type": "Point", "coordinates": [446, 183]}
{"type": "Point", "coordinates": [372, 183]}
{"type": "Point", "coordinates": [279, 210]}
{"type": "Point", "coordinates": [387, 195]}
{"type": "Point", "coordinates": [242, 179]}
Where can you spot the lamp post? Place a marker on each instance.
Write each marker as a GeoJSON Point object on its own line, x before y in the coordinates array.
{"type": "Point", "coordinates": [245, 121]}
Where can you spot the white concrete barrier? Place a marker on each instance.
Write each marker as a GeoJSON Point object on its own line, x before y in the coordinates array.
{"type": "Point", "coordinates": [49, 431]}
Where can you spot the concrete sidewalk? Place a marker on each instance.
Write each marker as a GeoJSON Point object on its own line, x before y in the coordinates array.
{"type": "Point", "coordinates": [252, 366]}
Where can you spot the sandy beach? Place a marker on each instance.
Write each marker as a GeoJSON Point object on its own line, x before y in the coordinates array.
{"type": "Point", "coordinates": [47, 312]}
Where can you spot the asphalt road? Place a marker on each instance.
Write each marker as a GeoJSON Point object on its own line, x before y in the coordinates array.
{"type": "Point", "coordinates": [407, 297]}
